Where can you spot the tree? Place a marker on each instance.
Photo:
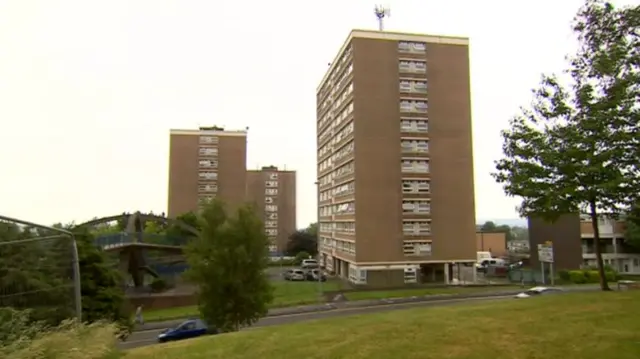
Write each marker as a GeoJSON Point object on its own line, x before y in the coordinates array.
{"type": "Point", "coordinates": [228, 262]}
{"type": "Point", "coordinates": [303, 240]}
{"type": "Point", "coordinates": [177, 234]}
{"type": "Point", "coordinates": [34, 275]}
{"type": "Point", "coordinates": [44, 267]}
{"type": "Point", "coordinates": [520, 233]}
{"type": "Point", "coordinates": [102, 293]}
{"type": "Point", "coordinates": [576, 149]}
{"type": "Point", "coordinates": [490, 226]}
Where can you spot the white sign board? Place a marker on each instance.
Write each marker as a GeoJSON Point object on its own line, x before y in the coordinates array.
{"type": "Point", "coordinates": [545, 253]}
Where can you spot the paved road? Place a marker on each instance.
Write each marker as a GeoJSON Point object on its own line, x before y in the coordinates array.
{"type": "Point", "coordinates": [148, 337]}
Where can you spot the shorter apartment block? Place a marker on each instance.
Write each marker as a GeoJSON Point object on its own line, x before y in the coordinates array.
{"type": "Point", "coordinates": [206, 163]}
{"type": "Point", "coordinates": [615, 252]}
{"type": "Point", "coordinates": [574, 246]}
{"type": "Point", "coordinates": [494, 242]}
{"type": "Point", "coordinates": [273, 192]}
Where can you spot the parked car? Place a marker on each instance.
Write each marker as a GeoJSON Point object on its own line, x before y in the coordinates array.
{"type": "Point", "coordinates": [493, 262]}
{"type": "Point", "coordinates": [538, 291]}
{"type": "Point", "coordinates": [191, 328]}
{"type": "Point", "coordinates": [294, 274]}
{"type": "Point", "coordinates": [315, 275]}
{"type": "Point", "coordinates": [309, 264]}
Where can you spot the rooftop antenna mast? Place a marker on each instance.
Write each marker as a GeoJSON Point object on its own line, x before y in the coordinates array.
{"type": "Point", "coordinates": [381, 12]}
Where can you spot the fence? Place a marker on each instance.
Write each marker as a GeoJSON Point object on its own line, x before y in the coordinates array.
{"type": "Point", "coordinates": [528, 276]}
{"type": "Point", "coordinates": [39, 270]}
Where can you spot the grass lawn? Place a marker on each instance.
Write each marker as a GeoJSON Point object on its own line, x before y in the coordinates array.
{"type": "Point", "coordinates": [286, 294]}
{"type": "Point", "coordinates": [402, 293]}
{"type": "Point", "coordinates": [592, 325]}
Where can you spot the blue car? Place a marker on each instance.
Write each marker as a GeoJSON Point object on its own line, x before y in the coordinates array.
{"type": "Point", "coordinates": [189, 329]}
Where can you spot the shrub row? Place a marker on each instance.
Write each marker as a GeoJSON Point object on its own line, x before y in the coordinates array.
{"type": "Point", "coordinates": [587, 276]}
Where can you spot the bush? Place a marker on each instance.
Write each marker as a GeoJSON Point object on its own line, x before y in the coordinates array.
{"type": "Point", "coordinates": [70, 340]}
{"type": "Point", "coordinates": [590, 276]}
{"type": "Point", "coordinates": [577, 277]}
{"type": "Point", "coordinates": [16, 325]}
{"type": "Point", "coordinates": [564, 275]}
{"type": "Point", "coordinates": [158, 285]}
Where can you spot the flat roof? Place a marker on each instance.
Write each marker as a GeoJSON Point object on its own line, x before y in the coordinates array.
{"type": "Point", "coordinates": [208, 132]}
{"type": "Point", "coordinates": [394, 36]}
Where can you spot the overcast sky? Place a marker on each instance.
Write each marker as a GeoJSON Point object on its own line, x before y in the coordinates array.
{"type": "Point", "coordinates": [89, 89]}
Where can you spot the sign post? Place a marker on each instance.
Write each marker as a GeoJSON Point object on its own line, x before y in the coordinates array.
{"type": "Point", "coordinates": [545, 255]}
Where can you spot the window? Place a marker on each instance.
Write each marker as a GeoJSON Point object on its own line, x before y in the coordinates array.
{"type": "Point", "coordinates": [415, 146]}
{"type": "Point", "coordinates": [416, 206]}
{"type": "Point", "coordinates": [271, 191]}
{"type": "Point", "coordinates": [268, 200]}
{"type": "Point", "coordinates": [419, 106]}
{"type": "Point", "coordinates": [271, 232]}
{"type": "Point", "coordinates": [271, 224]}
{"type": "Point", "coordinates": [344, 189]}
{"type": "Point", "coordinates": [415, 166]}
{"type": "Point", "coordinates": [416, 186]}
{"type": "Point", "coordinates": [273, 248]}
{"type": "Point", "coordinates": [410, 275]}
{"type": "Point", "coordinates": [208, 151]}
{"type": "Point", "coordinates": [343, 170]}
{"type": "Point", "coordinates": [272, 215]}
{"type": "Point", "coordinates": [416, 248]}
{"type": "Point", "coordinates": [358, 276]}
{"type": "Point", "coordinates": [410, 46]}
{"type": "Point", "coordinates": [205, 199]}
{"type": "Point", "coordinates": [412, 66]}
{"type": "Point", "coordinates": [418, 47]}
{"type": "Point", "coordinates": [416, 227]}
{"type": "Point", "coordinates": [348, 227]}
{"type": "Point", "coordinates": [273, 176]}
{"type": "Point", "coordinates": [344, 208]}
{"type": "Point", "coordinates": [208, 188]}
{"type": "Point", "coordinates": [404, 46]}
{"type": "Point", "coordinates": [271, 208]}
{"type": "Point", "coordinates": [209, 139]}
{"type": "Point", "coordinates": [208, 175]}
{"type": "Point", "coordinates": [271, 183]}
{"type": "Point", "coordinates": [411, 86]}
{"type": "Point", "coordinates": [208, 163]}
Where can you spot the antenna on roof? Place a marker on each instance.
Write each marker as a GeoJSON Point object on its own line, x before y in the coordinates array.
{"type": "Point", "coordinates": [381, 12]}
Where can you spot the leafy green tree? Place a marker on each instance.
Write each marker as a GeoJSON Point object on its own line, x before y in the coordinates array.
{"type": "Point", "coordinates": [228, 262]}
{"type": "Point", "coordinates": [576, 149]}
{"type": "Point", "coordinates": [520, 233]}
{"type": "Point", "coordinates": [34, 274]}
{"type": "Point", "coordinates": [488, 226]}
{"type": "Point", "coordinates": [303, 240]}
{"type": "Point", "coordinates": [177, 234]}
{"type": "Point", "coordinates": [101, 284]}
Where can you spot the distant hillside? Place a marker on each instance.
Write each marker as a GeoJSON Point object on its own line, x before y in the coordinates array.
{"type": "Point", "coordinates": [511, 222]}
